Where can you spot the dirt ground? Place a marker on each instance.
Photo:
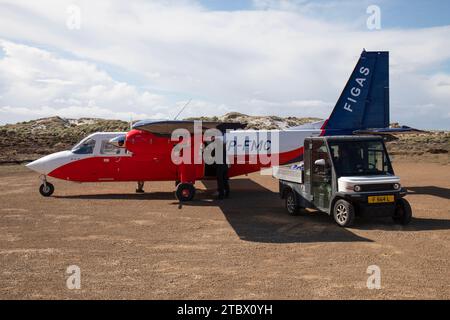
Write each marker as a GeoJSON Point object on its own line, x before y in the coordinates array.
{"type": "Point", "coordinates": [146, 247]}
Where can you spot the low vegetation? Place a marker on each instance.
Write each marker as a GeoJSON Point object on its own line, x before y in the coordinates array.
{"type": "Point", "coordinates": [30, 140]}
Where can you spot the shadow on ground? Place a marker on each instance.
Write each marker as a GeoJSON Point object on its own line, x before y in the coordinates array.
{"type": "Point", "coordinates": [431, 190]}
{"type": "Point", "coordinates": [122, 196]}
{"type": "Point", "coordinates": [257, 214]}
{"type": "Point", "coordinates": [416, 224]}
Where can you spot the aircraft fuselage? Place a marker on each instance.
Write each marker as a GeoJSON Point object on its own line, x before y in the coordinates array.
{"type": "Point", "coordinates": [148, 156]}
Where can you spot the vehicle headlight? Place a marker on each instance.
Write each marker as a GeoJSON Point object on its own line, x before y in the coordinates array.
{"type": "Point", "coordinates": [396, 186]}
{"type": "Point", "coordinates": [357, 188]}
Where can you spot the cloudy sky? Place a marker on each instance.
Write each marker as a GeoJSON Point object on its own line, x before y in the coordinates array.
{"type": "Point", "coordinates": [145, 59]}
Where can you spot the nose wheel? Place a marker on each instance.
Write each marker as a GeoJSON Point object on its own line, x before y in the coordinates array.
{"type": "Point", "coordinates": [46, 189]}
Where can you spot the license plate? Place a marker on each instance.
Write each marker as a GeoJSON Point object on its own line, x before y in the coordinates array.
{"type": "Point", "coordinates": [380, 199]}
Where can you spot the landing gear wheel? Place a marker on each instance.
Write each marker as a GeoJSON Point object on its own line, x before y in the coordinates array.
{"type": "Point", "coordinates": [403, 212]}
{"type": "Point", "coordinates": [343, 213]}
{"type": "Point", "coordinates": [46, 189]}
{"type": "Point", "coordinates": [291, 203]}
{"type": "Point", "coordinates": [185, 192]}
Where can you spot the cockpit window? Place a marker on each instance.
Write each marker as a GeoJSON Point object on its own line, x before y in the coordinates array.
{"type": "Point", "coordinates": [109, 149]}
{"type": "Point", "coordinates": [84, 147]}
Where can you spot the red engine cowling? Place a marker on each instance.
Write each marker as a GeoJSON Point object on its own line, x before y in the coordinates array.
{"type": "Point", "coordinates": [139, 142]}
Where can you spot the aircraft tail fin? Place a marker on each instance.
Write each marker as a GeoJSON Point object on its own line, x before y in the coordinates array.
{"type": "Point", "coordinates": [364, 102]}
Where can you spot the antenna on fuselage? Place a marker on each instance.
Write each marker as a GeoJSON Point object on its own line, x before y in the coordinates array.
{"type": "Point", "coordinates": [185, 105]}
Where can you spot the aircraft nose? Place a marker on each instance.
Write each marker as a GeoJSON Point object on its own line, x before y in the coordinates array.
{"type": "Point", "coordinates": [37, 165]}
{"type": "Point", "coordinates": [47, 164]}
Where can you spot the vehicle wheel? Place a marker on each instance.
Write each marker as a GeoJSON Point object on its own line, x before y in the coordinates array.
{"type": "Point", "coordinates": [291, 203]}
{"type": "Point", "coordinates": [46, 189]}
{"type": "Point", "coordinates": [343, 213]}
{"type": "Point", "coordinates": [185, 192]}
{"type": "Point", "coordinates": [403, 212]}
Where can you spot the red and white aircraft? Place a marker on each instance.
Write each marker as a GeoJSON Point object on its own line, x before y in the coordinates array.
{"type": "Point", "coordinates": [144, 153]}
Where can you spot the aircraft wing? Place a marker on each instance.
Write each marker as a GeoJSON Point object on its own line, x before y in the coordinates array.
{"type": "Point", "coordinates": [166, 127]}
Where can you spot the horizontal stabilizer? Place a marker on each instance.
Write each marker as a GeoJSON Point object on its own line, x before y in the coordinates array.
{"type": "Point", "coordinates": [382, 131]}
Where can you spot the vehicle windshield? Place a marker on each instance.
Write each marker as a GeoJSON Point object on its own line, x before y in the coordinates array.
{"type": "Point", "coordinates": [359, 158]}
{"type": "Point", "coordinates": [86, 146]}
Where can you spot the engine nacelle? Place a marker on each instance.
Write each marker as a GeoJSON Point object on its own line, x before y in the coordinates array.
{"type": "Point", "coordinates": [140, 142]}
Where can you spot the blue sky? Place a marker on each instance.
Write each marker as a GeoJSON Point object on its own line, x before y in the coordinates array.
{"type": "Point", "coordinates": [396, 13]}
{"type": "Point", "coordinates": [145, 59]}
{"type": "Point", "coordinates": [227, 5]}
{"type": "Point", "coordinates": [416, 13]}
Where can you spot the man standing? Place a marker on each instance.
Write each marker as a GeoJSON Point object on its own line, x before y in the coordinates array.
{"type": "Point", "coordinates": [223, 186]}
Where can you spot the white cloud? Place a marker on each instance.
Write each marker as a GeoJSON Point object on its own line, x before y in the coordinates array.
{"type": "Point", "coordinates": [280, 61]}
{"type": "Point", "coordinates": [34, 82]}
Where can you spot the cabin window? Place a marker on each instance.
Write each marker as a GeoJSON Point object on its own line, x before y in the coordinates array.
{"type": "Point", "coordinates": [84, 147]}
{"type": "Point", "coordinates": [110, 149]}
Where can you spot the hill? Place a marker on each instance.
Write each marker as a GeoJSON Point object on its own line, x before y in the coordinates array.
{"type": "Point", "coordinates": [259, 122]}
{"type": "Point", "coordinates": [30, 140]}
{"type": "Point", "coordinates": [26, 141]}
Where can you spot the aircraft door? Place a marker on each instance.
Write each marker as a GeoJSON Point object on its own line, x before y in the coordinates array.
{"type": "Point", "coordinates": [321, 176]}
{"type": "Point", "coordinates": [110, 161]}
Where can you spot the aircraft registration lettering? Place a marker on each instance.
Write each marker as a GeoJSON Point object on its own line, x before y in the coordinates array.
{"type": "Point", "coordinates": [253, 146]}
